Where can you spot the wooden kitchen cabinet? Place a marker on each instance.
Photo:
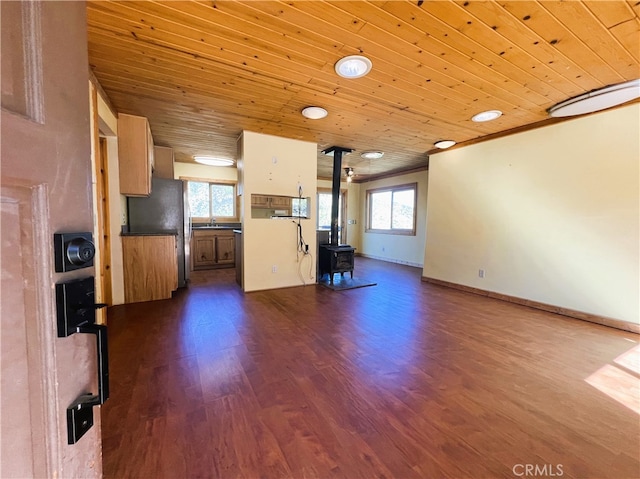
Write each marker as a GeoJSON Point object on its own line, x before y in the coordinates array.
{"type": "Point", "coordinates": [225, 249]}
{"type": "Point", "coordinates": [150, 267]}
{"type": "Point", "coordinates": [204, 251]}
{"type": "Point", "coordinates": [275, 202]}
{"type": "Point", "coordinates": [163, 162]}
{"type": "Point", "coordinates": [135, 155]}
{"type": "Point", "coordinates": [280, 202]}
{"type": "Point", "coordinates": [212, 249]}
{"type": "Point", "coordinates": [260, 201]}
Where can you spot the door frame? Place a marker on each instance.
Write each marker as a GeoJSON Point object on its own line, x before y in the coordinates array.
{"type": "Point", "coordinates": [343, 211]}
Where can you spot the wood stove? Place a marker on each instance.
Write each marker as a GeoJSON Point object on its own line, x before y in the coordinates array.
{"type": "Point", "coordinates": [335, 258]}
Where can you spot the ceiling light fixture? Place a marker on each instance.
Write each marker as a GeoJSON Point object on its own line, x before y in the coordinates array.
{"type": "Point", "coordinates": [597, 100]}
{"type": "Point", "coordinates": [372, 155]}
{"type": "Point", "coordinates": [486, 116]}
{"type": "Point", "coordinates": [353, 66]}
{"type": "Point", "coordinates": [349, 173]}
{"type": "Point", "coordinates": [314, 112]}
{"type": "Point", "coordinates": [213, 161]}
{"type": "Point", "coordinates": [444, 144]}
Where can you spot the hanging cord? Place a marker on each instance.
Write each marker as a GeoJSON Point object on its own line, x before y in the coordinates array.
{"type": "Point", "coordinates": [302, 246]}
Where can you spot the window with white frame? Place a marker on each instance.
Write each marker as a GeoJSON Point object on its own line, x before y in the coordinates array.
{"type": "Point", "coordinates": [392, 209]}
{"type": "Point", "coordinates": [210, 199]}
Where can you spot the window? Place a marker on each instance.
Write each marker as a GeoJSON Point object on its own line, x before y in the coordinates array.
{"type": "Point", "coordinates": [325, 199]}
{"type": "Point", "coordinates": [392, 210]}
{"type": "Point", "coordinates": [300, 207]}
{"type": "Point", "coordinates": [212, 200]}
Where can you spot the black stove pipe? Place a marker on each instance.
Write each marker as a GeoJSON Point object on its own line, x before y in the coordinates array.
{"type": "Point", "coordinates": [336, 151]}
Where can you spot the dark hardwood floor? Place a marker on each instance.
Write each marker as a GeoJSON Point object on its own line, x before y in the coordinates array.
{"type": "Point", "coordinates": [399, 380]}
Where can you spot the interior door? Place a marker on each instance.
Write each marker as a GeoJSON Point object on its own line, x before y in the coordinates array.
{"type": "Point", "coordinates": [45, 188]}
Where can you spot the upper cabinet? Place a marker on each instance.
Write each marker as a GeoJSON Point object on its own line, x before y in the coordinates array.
{"type": "Point", "coordinates": [163, 162]}
{"type": "Point", "coordinates": [135, 155]}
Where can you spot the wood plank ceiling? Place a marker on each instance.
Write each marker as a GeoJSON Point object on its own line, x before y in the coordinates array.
{"type": "Point", "coordinates": [204, 71]}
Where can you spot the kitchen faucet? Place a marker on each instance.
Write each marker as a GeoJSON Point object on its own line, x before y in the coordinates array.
{"type": "Point", "coordinates": [212, 222]}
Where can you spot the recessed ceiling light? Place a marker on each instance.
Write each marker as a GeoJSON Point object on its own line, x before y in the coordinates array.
{"type": "Point", "coordinates": [314, 112]}
{"type": "Point", "coordinates": [213, 161]}
{"type": "Point", "coordinates": [372, 155]}
{"type": "Point", "coordinates": [486, 116]}
{"type": "Point", "coordinates": [444, 144]}
{"type": "Point", "coordinates": [353, 66]}
{"type": "Point", "coordinates": [597, 100]}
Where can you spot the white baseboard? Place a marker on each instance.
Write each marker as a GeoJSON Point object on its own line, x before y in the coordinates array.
{"type": "Point", "coordinates": [390, 260]}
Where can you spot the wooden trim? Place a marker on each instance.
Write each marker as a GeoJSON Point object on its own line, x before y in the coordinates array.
{"type": "Point", "coordinates": [392, 189]}
{"type": "Point", "coordinates": [524, 128]}
{"type": "Point", "coordinates": [98, 206]}
{"type": "Point", "coordinates": [105, 220]}
{"type": "Point", "coordinates": [224, 219]}
{"type": "Point", "coordinates": [572, 313]}
{"type": "Point", "coordinates": [209, 180]}
{"type": "Point", "coordinates": [392, 174]}
{"type": "Point", "coordinates": [102, 93]}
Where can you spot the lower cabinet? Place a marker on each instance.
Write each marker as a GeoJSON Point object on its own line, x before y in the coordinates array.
{"type": "Point", "coordinates": [213, 249]}
{"type": "Point", "coordinates": [150, 267]}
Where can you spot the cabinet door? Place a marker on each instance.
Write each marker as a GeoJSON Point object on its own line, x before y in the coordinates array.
{"type": "Point", "coordinates": [163, 162]}
{"type": "Point", "coordinates": [260, 201]}
{"type": "Point", "coordinates": [135, 155]}
{"type": "Point", "coordinates": [280, 202]}
{"type": "Point", "coordinates": [204, 251]}
{"type": "Point", "coordinates": [150, 267]}
{"type": "Point", "coordinates": [225, 249]}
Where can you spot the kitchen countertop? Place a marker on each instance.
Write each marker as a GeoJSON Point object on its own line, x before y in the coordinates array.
{"type": "Point", "coordinates": [206, 228]}
{"type": "Point", "coordinates": [150, 233]}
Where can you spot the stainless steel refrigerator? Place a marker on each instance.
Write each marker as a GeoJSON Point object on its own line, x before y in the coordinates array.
{"type": "Point", "coordinates": [166, 209]}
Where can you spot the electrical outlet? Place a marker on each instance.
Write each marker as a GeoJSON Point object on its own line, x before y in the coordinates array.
{"type": "Point", "coordinates": [480, 273]}
{"type": "Point", "coordinates": [274, 269]}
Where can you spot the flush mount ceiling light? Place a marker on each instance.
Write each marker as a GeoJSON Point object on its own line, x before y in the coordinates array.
{"type": "Point", "coordinates": [372, 155]}
{"type": "Point", "coordinates": [486, 116]}
{"type": "Point", "coordinates": [213, 161]}
{"type": "Point", "coordinates": [353, 66]}
{"type": "Point", "coordinates": [444, 144]}
{"type": "Point", "coordinates": [314, 112]}
{"type": "Point", "coordinates": [597, 100]}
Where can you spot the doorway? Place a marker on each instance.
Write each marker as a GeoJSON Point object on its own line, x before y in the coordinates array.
{"type": "Point", "coordinates": [324, 212]}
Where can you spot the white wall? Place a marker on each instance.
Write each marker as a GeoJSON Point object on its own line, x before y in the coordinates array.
{"type": "Point", "coordinates": [275, 166]}
{"type": "Point", "coordinates": [551, 215]}
{"type": "Point", "coordinates": [192, 170]}
{"type": "Point", "coordinates": [390, 247]}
